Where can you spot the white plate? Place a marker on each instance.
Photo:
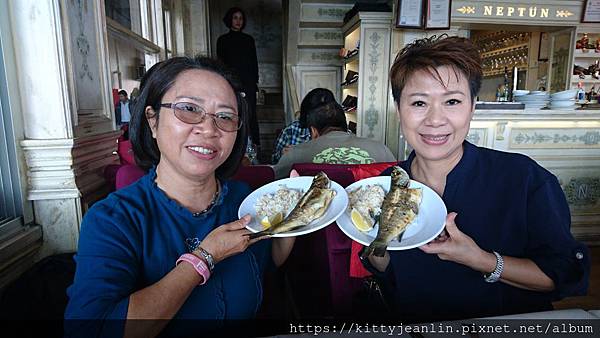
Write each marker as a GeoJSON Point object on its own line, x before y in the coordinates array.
{"type": "Point", "coordinates": [336, 208]}
{"type": "Point", "coordinates": [520, 92]}
{"type": "Point", "coordinates": [567, 94]}
{"type": "Point", "coordinates": [428, 225]}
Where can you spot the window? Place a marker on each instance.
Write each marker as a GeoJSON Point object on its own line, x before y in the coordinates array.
{"type": "Point", "coordinates": [11, 203]}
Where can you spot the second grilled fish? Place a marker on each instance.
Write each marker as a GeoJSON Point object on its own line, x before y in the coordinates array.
{"type": "Point", "coordinates": [311, 206]}
{"type": "Point", "coordinates": [400, 207]}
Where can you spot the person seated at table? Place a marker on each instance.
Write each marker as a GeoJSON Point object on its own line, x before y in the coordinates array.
{"type": "Point", "coordinates": [332, 143]}
{"type": "Point", "coordinates": [297, 132]}
{"type": "Point", "coordinates": [170, 246]}
{"type": "Point", "coordinates": [507, 247]}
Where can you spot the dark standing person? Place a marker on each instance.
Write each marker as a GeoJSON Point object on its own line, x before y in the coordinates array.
{"type": "Point", "coordinates": [238, 51]}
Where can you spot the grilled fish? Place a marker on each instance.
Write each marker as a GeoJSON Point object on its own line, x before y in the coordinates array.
{"type": "Point", "coordinates": [400, 207]}
{"type": "Point", "coordinates": [311, 206]}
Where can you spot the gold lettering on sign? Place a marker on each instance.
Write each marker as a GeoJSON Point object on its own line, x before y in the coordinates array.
{"type": "Point", "coordinates": [532, 12]}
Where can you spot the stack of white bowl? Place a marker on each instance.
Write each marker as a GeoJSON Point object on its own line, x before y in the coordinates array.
{"type": "Point", "coordinates": [535, 99]}
{"type": "Point", "coordinates": [564, 100]}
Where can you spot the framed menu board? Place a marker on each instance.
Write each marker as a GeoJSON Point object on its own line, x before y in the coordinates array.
{"type": "Point", "coordinates": [409, 14]}
{"type": "Point", "coordinates": [438, 14]}
{"type": "Point", "coordinates": [591, 11]}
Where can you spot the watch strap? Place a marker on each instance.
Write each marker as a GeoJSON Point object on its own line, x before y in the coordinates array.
{"type": "Point", "coordinates": [494, 276]}
{"type": "Point", "coordinates": [198, 264]}
{"type": "Point", "coordinates": [207, 257]}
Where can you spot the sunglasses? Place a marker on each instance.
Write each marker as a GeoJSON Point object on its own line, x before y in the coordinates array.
{"type": "Point", "coordinates": [191, 113]}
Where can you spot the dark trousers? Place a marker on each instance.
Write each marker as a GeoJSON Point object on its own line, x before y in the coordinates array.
{"type": "Point", "coordinates": [252, 118]}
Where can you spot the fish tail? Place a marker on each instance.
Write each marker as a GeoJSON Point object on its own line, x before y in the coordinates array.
{"type": "Point", "coordinates": [377, 248]}
{"type": "Point", "coordinates": [260, 234]}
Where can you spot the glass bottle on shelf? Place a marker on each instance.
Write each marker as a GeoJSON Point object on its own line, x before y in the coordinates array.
{"type": "Point", "coordinates": [580, 92]}
{"type": "Point", "coordinates": [507, 89]}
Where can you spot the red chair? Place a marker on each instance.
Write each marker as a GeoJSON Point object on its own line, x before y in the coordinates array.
{"type": "Point", "coordinates": [125, 152]}
{"type": "Point", "coordinates": [255, 175]}
{"type": "Point", "coordinates": [329, 249]}
{"type": "Point", "coordinates": [128, 174]}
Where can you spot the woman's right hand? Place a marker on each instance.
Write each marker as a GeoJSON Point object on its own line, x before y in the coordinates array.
{"type": "Point", "coordinates": [228, 239]}
{"type": "Point", "coordinates": [380, 263]}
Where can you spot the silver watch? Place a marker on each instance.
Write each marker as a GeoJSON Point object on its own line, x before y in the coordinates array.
{"type": "Point", "coordinates": [494, 276]}
{"type": "Point", "coordinates": [207, 257]}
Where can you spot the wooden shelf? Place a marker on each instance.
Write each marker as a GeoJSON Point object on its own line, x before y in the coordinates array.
{"type": "Point", "coordinates": [352, 59]}
{"type": "Point", "coordinates": [500, 51]}
{"type": "Point", "coordinates": [501, 71]}
{"type": "Point", "coordinates": [591, 55]}
{"type": "Point", "coordinates": [588, 79]}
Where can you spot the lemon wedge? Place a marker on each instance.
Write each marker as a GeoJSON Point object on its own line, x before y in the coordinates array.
{"type": "Point", "coordinates": [269, 221]}
{"type": "Point", "coordinates": [362, 223]}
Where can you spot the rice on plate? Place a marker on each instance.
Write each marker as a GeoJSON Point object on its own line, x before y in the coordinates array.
{"type": "Point", "coordinates": [282, 201]}
{"type": "Point", "coordinates": [367, 200]}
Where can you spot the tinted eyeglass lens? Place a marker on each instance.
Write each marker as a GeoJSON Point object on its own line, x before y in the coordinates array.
{"type": "Point", "coordinates": [192, 114]}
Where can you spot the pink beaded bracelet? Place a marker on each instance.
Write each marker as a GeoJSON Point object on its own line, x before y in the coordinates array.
{"type": "Point", "coordinates": [198, 264]}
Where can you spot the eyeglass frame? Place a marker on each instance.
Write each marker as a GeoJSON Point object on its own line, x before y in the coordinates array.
{"type": "Point", "coordinates": [203, 114]}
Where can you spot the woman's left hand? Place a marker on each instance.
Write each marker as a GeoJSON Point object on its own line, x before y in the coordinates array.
{"type": "Point", "coordinates": [455, 246]}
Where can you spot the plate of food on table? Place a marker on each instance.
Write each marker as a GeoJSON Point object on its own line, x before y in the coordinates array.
{"type": "Point", "coordinates": [294, 206]}
{"type": "Point", "coordinates": [392, 213]}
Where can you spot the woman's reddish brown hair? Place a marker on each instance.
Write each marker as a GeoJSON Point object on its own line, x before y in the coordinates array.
{"type": "Point", "coordinates": [430, 53]}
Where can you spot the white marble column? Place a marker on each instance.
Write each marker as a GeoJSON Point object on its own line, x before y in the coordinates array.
{"type": "Point", "coordinates": [67, 111]}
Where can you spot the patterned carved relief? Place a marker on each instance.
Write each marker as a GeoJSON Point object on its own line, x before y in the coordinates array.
{"type": "Point", "coordinates": [328, 35]}
{"type": "Point", "coordinates": [83, 45]}
{"type": "Point", "coordinates": [372, 113]}
{"type": "Point", "coordinates": [319, 56]}
{"type": "Point", "coordinates": [321, 36]}
{"type": "Point", "coordinates": [583, 191]}
{"type": "Point", "coordinates": [500, 127]}
{"type": "Point", "coordinates": [567, 138]}
{"type": "Point", "coordinates": [332, 12]}
{"type": "Point", "coordinates": [323, 12]}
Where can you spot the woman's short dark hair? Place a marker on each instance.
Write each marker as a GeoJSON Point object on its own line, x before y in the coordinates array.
{"type": "Point", "coordinates": [429, 53]}
{"type": "Point", "coordinates": [229, 16]}
{"type": "Point", "coordinates": [329, 115]}
{"type": "Point", "coordinates": [155, 83]}
{"type": "Point", "coordinates": [314, 98]}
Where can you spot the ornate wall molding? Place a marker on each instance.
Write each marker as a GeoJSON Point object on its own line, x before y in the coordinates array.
{"type": "Point", "coordinates": [310, 77]}
{"type": "Point", "coordinates": [85, 41]}
{"type": "Point", "coordinates": [324, 12]}
{"type": "Point", "coordinates": [67, 168]}
{"type": "Point", "coordinates": [555, 137]}
{"type": "Point", "coordinates": [319, 56]}
{"type": "Point", "coordinates": [372, 110]}
{"type": "Point", "coordinates": [321, 37]}
{"type": "Point", "coordinates": [50, 174]}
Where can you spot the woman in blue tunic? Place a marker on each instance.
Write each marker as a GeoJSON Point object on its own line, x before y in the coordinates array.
{"type": "Point", "coordinates": [507, 247]}
{"type": "Point", "coordinates": [170, 246]}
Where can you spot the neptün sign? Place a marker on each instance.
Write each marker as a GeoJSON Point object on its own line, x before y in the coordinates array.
{"type": "Point", "coordinates": [513, 12]}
